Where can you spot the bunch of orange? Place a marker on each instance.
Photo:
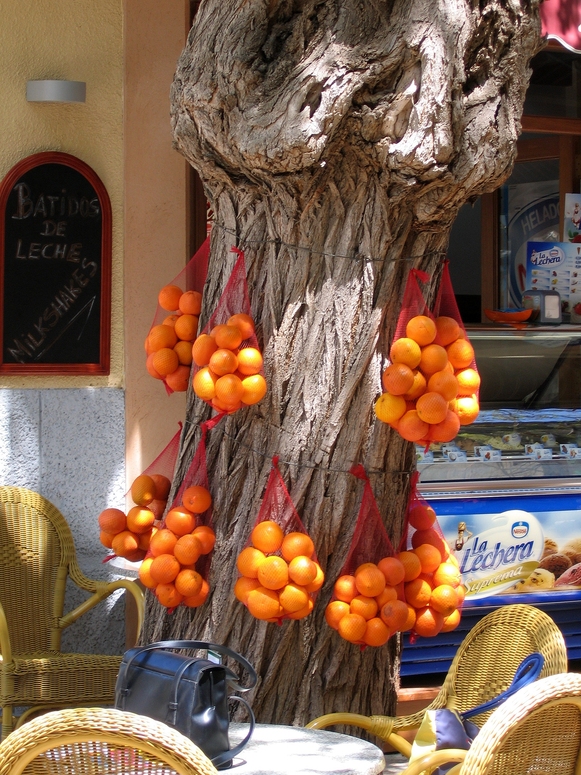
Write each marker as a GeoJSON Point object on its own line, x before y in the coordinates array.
{"type": "Point", "coordinates": [169, 568]}
{"type": "Point", "coordinates": [169, 345]}
{"type": "Point", "coordinates": [129, 535]}
{"type": "Point", "coordinates": [229, 372]}
{"type": "Point", "coordinates": [430, 386]}
{"type": "Point", "coordinates": [279, 576]}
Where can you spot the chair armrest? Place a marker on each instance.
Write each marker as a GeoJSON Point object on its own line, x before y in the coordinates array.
{"type": "Point", "coordinates": [429, 762]}
{"type": "Point", "coordinates": [5, 645]}
{"type": "Point", "coordinates": [103, 590]}
{"type": "Point", "coordinates": [380, 726]}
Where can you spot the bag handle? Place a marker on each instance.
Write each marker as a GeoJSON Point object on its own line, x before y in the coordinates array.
{"type": "Point", "coordinates": [527, 672]}
{"type": "Point", "coordinates": [221, 758]}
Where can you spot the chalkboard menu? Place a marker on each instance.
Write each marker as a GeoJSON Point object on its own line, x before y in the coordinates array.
{"type": "Point", "coordinates": [55, 268]}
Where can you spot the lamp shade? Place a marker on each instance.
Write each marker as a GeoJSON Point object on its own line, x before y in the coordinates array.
{"type": "Point", "coordinates": [56, 91]}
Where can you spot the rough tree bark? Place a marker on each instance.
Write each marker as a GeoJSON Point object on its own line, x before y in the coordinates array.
{"type": "Point", "coordinates": [336, 140]}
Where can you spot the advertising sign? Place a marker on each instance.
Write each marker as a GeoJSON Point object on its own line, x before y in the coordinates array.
{"type": "Point", "coordinates": [555, 266]}
{"type": "Point", "coordinates": [529, 546]}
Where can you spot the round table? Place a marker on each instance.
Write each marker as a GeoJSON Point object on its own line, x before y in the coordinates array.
{"type": "Point", "coordinates": [282, 750]}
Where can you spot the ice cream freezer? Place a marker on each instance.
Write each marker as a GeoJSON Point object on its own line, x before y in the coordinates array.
{"type": "Point", "coordinates": [507, 490]}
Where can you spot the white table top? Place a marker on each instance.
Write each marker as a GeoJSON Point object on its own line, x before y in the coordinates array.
{"type": "Point", "coordinates": [285, 750]}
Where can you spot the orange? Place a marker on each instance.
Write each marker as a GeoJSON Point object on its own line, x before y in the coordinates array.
{"type": "Point", "coordinates": [352, 627]}
{"type": "Point", "coordinates": [144, 574]}
{"type": "Point", "coordinates": [467, 408]}
{"type": "Point", "coordinates": [444, 383]}
{"type": "Point", "coordinates": [468, 382]}
{"type": "Point", "coordinates": [140, 519]}
{"type": "Point", "coordinates": [164, 568]}
{"type": "Point", "coordinates": [421, 516]}
{"type": "Point", "coordinates": [421, 329]}
{"type": "Point", "coordinates": [143, 490]}
{"type": "Point", "coordinates": [460, 353]}
{"type": "Point", "coordinates": [106, 539]}
{"type": "Point", "coordinates": [229, 389]}
{"type": "Point", "coordinates": [411, 619]}
{"type": "Point", "coordinates": [369, 581]}
{"type": "Point", "coordinates": [301, 613]}
{"type": "Point", "coordinates": [136, 556]}
{"type": "Point", "coordinates": [169, 297]}
{"type": "Point", "coordinates": [203, 349]}
{"type": "Point", "coordinates": [180, 521]}
{"type": "Point", "coordinates": [184, 352]}
{"type": "Point", "coordinates": [244, 322]}
{"type": "Point", "coordinates": [430, 557]}
{"type": "Point", "coordinates": [223, 362]}
{"type": "Point", "coordinates": [418, 592]}
{"type": "Point", "coordinates": [318, 581]}
{"type": "Point", "coordinates": [451, 621]}
{"type": "Point", "coordinates": [411, 426]}
{"type": "Point", "coordinates": [430, 536]}
{"type": "Point", "coordinates": [125, 543]}
{"type": "Point", "coordinates": [293, 598]}
{"type": "Point", "coordinates": [186, 327]}
{"type": "Point", "coordinates": [345, 588]}
{"type": "Point", "coordinates": [162, 542]}
{"type": "Point", "coordinates": [447, 573]}
{"type": "Point", "coordinates": [165, 361]}
{"type": "Point", "coordinates": [295, 544]}
{"type": "Point", "coordinates": [267, 536]}
{"type": "Point", "coordinates": [302, 570]}
{"type": "Point", "coordinates": [206, 537]}
{"type": "Point", "coordinates": [249, 361]}
{"type": "Point", "coordinates": [433, 358]}
{"type": "Point", "coordinates": [229, 337]}
{"type": "Point", "coordinates": [392, 569]}
{"type": "Point", "coordinates": [168, 595]}
{"type": "Point", "coordinates": [243, 586]}
{"type": "Point", "coordinates": [178, 380]}
{"type": "Point", "coordinates": [197, 499]}
{"type": "Point", "coordinates": [335, 611]}
{"type": "Point", "coordinates": [376, 632]}
{"type": "Point", "coordinates": [428, 622]}
{"type": "Point", "coordinates": [394, 615]}
{"type": "Point", "coordinates": [406, 351]}
{"type": "Point", "coordinates": [432, 408]}
{"type": "Point", "coordinates": [188, 582]}
{"type": "Point", "coordinates": [149, 366]}
{"type": "Point", "coordinates": [158, 507]}
{"type": "Point", "coordinates": [144, 539]}
{"type": "Point", "coordinates": [112, 521]}
{"type": "Point", "coordinates": [365, 606]}
{"type": "Point", "coordinates": [161, 336]}
{"type": "Point", "coordinates": [249, 561]}
{"type": "Point", "coordinates": [263, 603]}
{"type": "Point", "coordinates": [195, 600]}
{"type": "Point", "coordinates": [412, 565]}
{"type": "Point", "coordinates": [447, 330]}
{"type": "Point", "coordinates": [170, 320]}
{"type": "Point", "coordinates": [190, 303]}
{"type": "Point", "coordinates": [221, 406]}
{"type": "Point", "coordinates": [389, 593]}
{"type": "Point", "coordinates": [254, 389]}
{"type": "Point", "coordinates": [389, 408]}
{"type": "Point", "coordinates": [445, 430]}
{"type": "Point", "coordinates": [419, 386]}
{"type": "Point", "coordinates": [162, 486]}
{"type": "Point", "coordinates": [397, 379]}
{"type": "Point", "coordinates": [444, 599]}
{"type": "Point", "coordinates": [188, 549]}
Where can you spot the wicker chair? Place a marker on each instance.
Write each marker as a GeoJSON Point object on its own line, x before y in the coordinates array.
{"type": "Point", "coordinates": [537, 730]}
{"type": "Point", "coordinates": [103, 741]}
{"type": "Point", "coordinates": [37, 555]}
{"type": "Point", "coordinates": [483, 667]}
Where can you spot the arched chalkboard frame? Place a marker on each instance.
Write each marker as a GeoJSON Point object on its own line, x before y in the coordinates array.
{"type": "Point", "coordinates": [55, 268]}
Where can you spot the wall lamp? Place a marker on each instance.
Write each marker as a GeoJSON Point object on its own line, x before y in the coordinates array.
{"type": "Point", "coordinates": [56, 91]}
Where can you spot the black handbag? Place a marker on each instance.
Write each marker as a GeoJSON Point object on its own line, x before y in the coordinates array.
{"type": "Point", "coordinates": [188, 693]}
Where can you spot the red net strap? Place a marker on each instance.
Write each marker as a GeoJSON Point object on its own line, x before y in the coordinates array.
{"type": "Point", "coordinates": [197, 473]}
{"type": "Point", "coordinates": [165, 462]}
{"type": "Point", "coordinates": [414, 480]}
{"type": "Point", "coordinates": [234, 298]}
{"type": "Point", "coordinates": [277, 503]}
{"type": "Point", "coordinates": [413, 302]}
{"type": "Point", "coordinates": [191, 278]}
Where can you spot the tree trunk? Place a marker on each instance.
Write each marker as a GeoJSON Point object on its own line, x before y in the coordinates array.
{"type": "Point", "coordinates": [336, 141]}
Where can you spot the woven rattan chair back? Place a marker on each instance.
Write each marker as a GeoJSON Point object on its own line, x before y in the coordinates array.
{"type": "Point", "coordinates": [100, 741]}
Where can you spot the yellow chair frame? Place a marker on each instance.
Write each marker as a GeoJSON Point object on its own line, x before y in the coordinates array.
{"type": "Point", "coordinates": [483, 667]}
{"type": "Point", "coordinates": [37, 555]}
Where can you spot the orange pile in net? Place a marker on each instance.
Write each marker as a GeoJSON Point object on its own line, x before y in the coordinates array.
{"type": "Point", "coordinates": [168, 346]}
{"type": "Point", "coordinates": [430, 386]}
{"type": "Point", "coordinates": [229, 375]}
{"type": "Point", "coordinates": [128, 535]}
{"type": "Point", "coordinates": [169, 568]}
{"type": "Point", "coordinates": [279, 576]}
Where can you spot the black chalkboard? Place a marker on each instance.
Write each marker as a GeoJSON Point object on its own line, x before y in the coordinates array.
{"type": "Point", "coordinates": [55, 278]}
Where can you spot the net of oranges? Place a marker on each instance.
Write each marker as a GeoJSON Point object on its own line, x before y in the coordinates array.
{"type": "Point", "coordinates": [229, 371]}
{"type": "Point", "coordinates": [169, 345]}
{"type": "Point", "coordinates": [128, 535]}
{"type": "Point", "coordinates": [279, 573]}
{"type": "Point", "coordinates": [171, 567]}
{"type": "Point", "coordinates": [431, 387]}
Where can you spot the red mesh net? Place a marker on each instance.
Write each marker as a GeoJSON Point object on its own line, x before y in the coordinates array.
{"type": "Point", "coordinates": [191, 278]}
{"type": "Point", "coordinates": [413, 302]}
